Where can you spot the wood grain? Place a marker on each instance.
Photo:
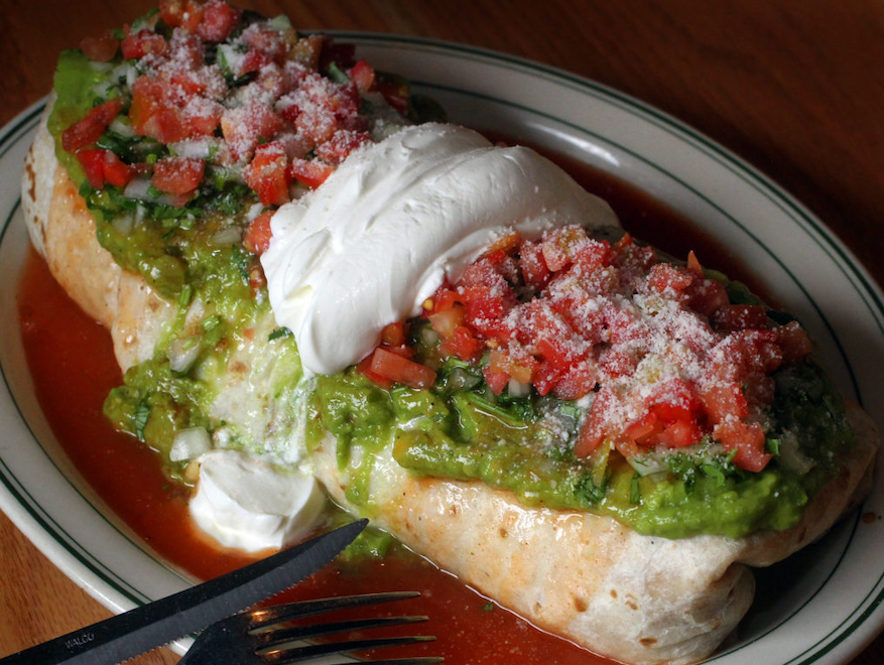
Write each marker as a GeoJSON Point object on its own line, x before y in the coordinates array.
{"type": "Point", "coordinates": [795, 87]}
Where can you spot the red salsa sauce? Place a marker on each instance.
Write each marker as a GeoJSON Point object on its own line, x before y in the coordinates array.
{"type": "Point", "coordinates": [71, 386]}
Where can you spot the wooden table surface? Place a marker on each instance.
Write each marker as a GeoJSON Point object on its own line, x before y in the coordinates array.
{"type": "Point", "coordinates": [796, 87]}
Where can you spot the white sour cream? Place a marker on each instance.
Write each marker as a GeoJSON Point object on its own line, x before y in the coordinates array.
{"type": "Point", "coordinates": [245, 503]}
{"type": "Point", "coordinates": [376, 239]}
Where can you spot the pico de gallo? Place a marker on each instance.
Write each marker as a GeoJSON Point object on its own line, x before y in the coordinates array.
{"type": "Point", "coordinates": [184, 127]}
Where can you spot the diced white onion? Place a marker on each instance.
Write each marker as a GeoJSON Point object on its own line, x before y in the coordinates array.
{"type": "Point", "coordinates": [183, 352]}
{"type": "Point", "coordinates": [229, 236]}
{"type": "Point", "coordinates": [645, 465]}
{"type": "Point", "coordinates": [137, 188]}
{"type": "Point", "coordinates": [193, 148]}
{"type": "Point", "coordinates": [122, 128]}
{"type": "Point", "coordinates": [428, 336]}
{"type": "Point", "coordinates": [518, 388]}
{"type": "Point", "coordinates": [190, 443]}
{"type": "Point", "coordinates": [791, 456]}
{"type": "Point", "coordinates": [124, 223]}
{"type": "Point", "coordinates": [255, 210]}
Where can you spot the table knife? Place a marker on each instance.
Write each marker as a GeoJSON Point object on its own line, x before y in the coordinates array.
{"type": "Point", "coordinates": [159, 622]}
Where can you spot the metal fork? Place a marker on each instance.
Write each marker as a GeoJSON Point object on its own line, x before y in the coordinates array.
{"type": "Point", "coordinates": [264, 636]}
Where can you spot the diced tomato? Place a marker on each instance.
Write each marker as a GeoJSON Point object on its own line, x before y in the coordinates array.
{"type": "Point", "coordinates": [721, 401]}
{"type": "Point", "coordinates": [101, 49]}
{"type": "Point", "coordinates": [732, 318]}
{"type": "Point", "coordinates": [674, 399]}
{"type": "Point", "coordinates": [340, 145]}
{"type": "Point", "coordinates": [445, 298]}
{"type": "Point", "coordinates": [665, 276]}
{"type": "Point", "coordinates": [652, 430]}
{"type": "Point", "coordinates": [103, 166]}
{"type": "Point", "coordinates": [593, 256]}
{"type": "Point", "coordinates": [142, 43]}
{"type": "Point", "coordinates": [92, 162]}
{"type": "Point", "coordinates": [218, 21]}
{"type": "Point", "coordinates": [116, 172]}
{"type": "Point", "coordinates": [362, 74]}
{"type": "Point", "coordinates": [267, 174]}
{"type": "Point", "coordinates": [693, 264]}
{"type": "Point", "coordinates": [87, 131]}
{"type": "Point", "coordinates": [202, 119]}
{"type": "Point", "coordinates": [551, 349]}
{"type": "Point", "coordinates": [497, 380]}
{"type": "Point", "coordinates": [307, 51]}
{"type": "Point", "coordinates": [560, 246]}
{"type": "Point", "coordinates": [746, 352]}
{"type": "Point", "coordinates": [266, 40]}
{"type": "Point", "coordinates": [254, 61]}
{"type": "Point", "coordinates": [794, 341]}
{"type": "Point", "coordinates": [577, 382]}
{"type": "Point", "coordinates": [615, 362]}
{"type": "Point", "coordinates": [245, 127]}
{"type": "Point", "coordinates": [679, 433]}
{"type": "Point", "coordinates": [485, 308]}
{"type": "Point", "coordinates": [178, 175]}
{"type": "Point", "coordinates": [632, 256]}
{"type": "Point", "coordinates": [310, 172]}
{"type": "Point", "coordinates": [257, 236]}
{"type": "Point", "coordinates": [706, 296]}
{"type": "Point", "coordinates": [462, 343]}
{"type": "Point", "coordinates": [398, 369]}
{"type": "Point", "coordinates": [592, 432]}
{"type": "Point", "coordinates": [747, 439]}
{"type": "Point", "coordinates": [484, 272]}
{"type": "Point", "coordinates": [534, 269]}
{"type": "Point", "coordinates": [154, 111]}
{"type": "Point", "coordinates": [181, 13]}
{"type": "Point", "coordinates": [519, 368]}
{"type": "Point", "coordinates": [671, 418]}
{"type": "Point", "coordinates": [257, 278]}
{"type": "Point", "coordinates": [364, 367]}
{"type": "Point", "coordinates": [393, 334]}
{"type": "Point", "coordinates": [445, 322]}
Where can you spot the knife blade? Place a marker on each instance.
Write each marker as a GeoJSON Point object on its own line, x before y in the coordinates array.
{"type": "Point", "coordinates": [149, 626]}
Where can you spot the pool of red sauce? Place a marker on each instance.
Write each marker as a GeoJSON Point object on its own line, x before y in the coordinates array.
{"type": "Point", "coordinates": [71, 360]}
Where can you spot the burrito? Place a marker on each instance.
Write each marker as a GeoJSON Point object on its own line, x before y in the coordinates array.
{"type": "Point", "coordinates": [323, 294]}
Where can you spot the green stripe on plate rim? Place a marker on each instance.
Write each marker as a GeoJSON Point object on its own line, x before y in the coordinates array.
{"type": "Point", "coordinates": [751, 176]}
{"type": "Point", "coordinates": [8, 140]}
{"type": "Point", "coordinates": [45, 521]}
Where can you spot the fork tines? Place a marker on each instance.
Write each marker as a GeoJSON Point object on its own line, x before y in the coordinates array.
{"type": "Point", "coordinates": [280, 643]}
{"type": "Point", "coordinates": [275, 614]}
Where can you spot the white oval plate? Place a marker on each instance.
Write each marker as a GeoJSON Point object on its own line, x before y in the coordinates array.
{"type": "Point", "coordinates": [821, 606]}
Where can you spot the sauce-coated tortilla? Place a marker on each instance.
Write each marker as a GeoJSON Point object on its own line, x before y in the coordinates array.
{"type": "Point", "coordinates": [635, 598]}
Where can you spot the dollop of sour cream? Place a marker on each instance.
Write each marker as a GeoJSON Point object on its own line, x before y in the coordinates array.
{"type": "Point", "coordinates": [245, 503]}
{"type": "Point", "coordinates": [378, 237]}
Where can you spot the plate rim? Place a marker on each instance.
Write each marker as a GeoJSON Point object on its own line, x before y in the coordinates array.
{"type": "Point", "coordinates": [843, 258]}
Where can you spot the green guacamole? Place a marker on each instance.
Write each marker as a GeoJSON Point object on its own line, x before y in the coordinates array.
{"type": "Point", "coordinates": [523, 446]}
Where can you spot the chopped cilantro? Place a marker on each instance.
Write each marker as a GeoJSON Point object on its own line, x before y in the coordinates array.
{"type": "Point", "coordinates": [279, 333]}
{"type": "Point", "coordinates": [140, 417]}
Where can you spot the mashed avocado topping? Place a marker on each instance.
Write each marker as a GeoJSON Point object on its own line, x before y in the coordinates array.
{"type": "Point", "coordinates": [525, 445]}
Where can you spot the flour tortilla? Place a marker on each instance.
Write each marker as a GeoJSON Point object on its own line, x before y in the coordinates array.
{"type": "Point", "coordinates": [634, 598]}
{"type": "Point", "coordinates": [63, 231]}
